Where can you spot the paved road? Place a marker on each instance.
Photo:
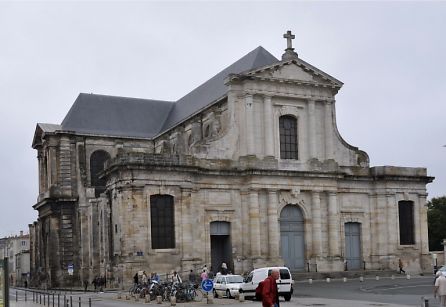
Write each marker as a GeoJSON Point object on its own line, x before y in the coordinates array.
{"type": "Point", "coordinates": [397, 291]}
{"type": "Point", "coordinates": [385, 292]}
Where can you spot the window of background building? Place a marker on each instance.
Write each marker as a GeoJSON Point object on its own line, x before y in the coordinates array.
{"type": "Point", "coordinates": [162, 221]}
{"type": "Point", "coordinates": [288, 137]}
{"type": "Point", "coordinates": [406, 219]}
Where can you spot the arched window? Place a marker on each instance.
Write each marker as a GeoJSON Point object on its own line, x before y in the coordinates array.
{"type": "Point", "coordinates": [288, 137]}
{"type": "Point", "coordinates": [406, 219]}
{"type": "Point", "coordinates": [97, 160]}
{"type": "Point", "coordinates": [162, 220]}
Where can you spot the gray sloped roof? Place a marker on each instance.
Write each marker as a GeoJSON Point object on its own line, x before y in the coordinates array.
{"type": "Point", "coordinates": [143, 118]}
{"type": "Point", "coordinates": [214, 88]}
{"type": "Point", "coordinates": [48, 127]}
{"type": "Point", "coordinates": [116, 116]}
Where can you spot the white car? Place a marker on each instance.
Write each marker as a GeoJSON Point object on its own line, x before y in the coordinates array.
{"type": "Point", "coordinates": [284, 283]}
{"type": "Point", "coordinates": [227, 285]}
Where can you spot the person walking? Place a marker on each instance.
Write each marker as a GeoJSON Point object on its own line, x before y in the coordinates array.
{"type": "Point", "coordinates": [224, 269]}
{"type": "Point", "coordinates": [144, 278]}
{"type": "Point", "coordinates": [204, 275]}
{"type": "Point", "coordinates": [192, 277]}
{"type": "Point", "coordinates": [135, 279]}
{"type": "Point", "coordinates": [270, 293]}
{"type": "Point", "coordinates": [440, 289]}
{"type": "Point", "coordinates": [176, 279]}
{"type": "Point", "coordinates": [86, 284]}
{"type": "Point", "coordinates": [400, 265]}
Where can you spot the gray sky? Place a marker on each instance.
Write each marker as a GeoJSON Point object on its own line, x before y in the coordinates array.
{"type": "Point", "coordinates": [390, 56]}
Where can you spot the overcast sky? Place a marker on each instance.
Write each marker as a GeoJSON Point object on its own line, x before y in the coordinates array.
{"type": "Point", "coordinates": [390, 56]}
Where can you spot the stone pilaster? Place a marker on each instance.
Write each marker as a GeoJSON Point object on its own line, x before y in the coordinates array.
{"type": "Point", "coordinates": [186, 221]}
{"type": "Point", "coordinates": [329, 154]}
{"type": "Point", "coordinates": [41, 171]}
{"type": "Point", "coordinates": [268, 126]}
{"type": "Point", "coordinates": [65, 165]}
{"type": "Point", "coordinates": [52, 166]}
{"type": "Point", "coordinates": [381, 222]}
{"type": "Point", "coordinates": [311, 129]}
{"type": "Point", "coordinates": [423, 224]}
{"type": "Point", "coordinates": [249, 114]}
{"type": "Point", "coordinates": [392, 230]}
{"type": "Point", "coordinates": [273, 225]}
{"type": "Point", "coordinates": [254, 222]}
{"type": "Point", "coordinates": [333, 225]}
{"type": "Point", "coordinates": [316, 223]}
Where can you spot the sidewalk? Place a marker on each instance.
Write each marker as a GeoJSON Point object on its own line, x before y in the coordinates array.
{"type": "Point", "coordinates": [301, 302]}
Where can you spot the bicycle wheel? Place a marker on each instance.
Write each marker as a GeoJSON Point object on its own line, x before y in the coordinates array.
{"type": "Point", "coordinates": [198, 295]}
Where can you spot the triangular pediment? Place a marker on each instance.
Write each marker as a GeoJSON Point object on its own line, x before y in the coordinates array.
{"type": "Point", "coordinates": [295, 70]}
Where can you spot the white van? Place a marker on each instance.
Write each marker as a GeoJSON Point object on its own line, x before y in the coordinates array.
{"type": "Point", "coordinates": [284, 283]}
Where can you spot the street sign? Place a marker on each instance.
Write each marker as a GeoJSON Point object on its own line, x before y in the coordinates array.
{"type": "Point", "coordinates": [70, 269]}
{"type": "Point", "coordinates": [207, 285]}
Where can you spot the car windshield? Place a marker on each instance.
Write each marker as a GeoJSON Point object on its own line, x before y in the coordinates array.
{"type": "Point", "coordinates": [235, 279]}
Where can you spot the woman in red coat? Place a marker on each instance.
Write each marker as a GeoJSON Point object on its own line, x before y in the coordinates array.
{"type": "Point", "coordinates": [270, 295]}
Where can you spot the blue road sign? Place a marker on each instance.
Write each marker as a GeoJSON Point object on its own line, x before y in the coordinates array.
{"type": "Point", "coordinates": [207, 285]}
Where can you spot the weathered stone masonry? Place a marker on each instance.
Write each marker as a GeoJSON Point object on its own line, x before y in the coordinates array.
{"type": "Point", "coordinates": [220, 154]}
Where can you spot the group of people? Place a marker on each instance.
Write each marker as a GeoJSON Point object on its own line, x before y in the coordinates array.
{"type": "Point", "coordinates": [98, 283]}
{"type": "Point", "coordinates": [143, 279]}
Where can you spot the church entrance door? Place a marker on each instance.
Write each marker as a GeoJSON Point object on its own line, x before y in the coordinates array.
{"type": "Point", "coordinates": [353, 245]}
{"type": "Point", "coordinates": [292, 234]}
{"type": "Point", "coordinates": [221, 247]}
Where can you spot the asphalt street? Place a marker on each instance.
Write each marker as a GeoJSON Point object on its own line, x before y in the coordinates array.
{"type": "Point", "coordinates": [384, 292]}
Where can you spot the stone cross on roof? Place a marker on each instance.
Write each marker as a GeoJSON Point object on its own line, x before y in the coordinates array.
{"type": "Point", "coordinates": [289, 37]}
{"type": "Point", "coordinates": [289, 51]}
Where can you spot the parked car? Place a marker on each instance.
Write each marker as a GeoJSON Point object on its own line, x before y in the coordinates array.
{"type": "Point", "coordinates": [227, 285]}
{"type": "Point", "coordinates": [284, 283]}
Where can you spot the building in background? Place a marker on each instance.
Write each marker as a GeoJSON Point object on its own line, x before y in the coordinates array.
{"type": "Point", "coordinates": [17, 249]}
{"type": "Point", "coordinates": [248, 169]}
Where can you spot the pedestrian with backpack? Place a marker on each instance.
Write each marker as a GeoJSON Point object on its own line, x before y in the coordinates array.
{"type": "Point", "coordinates": [270, 293]}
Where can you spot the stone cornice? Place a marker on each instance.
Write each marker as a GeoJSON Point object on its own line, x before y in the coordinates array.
{"type": "Point", "coordinates": [242, 77]}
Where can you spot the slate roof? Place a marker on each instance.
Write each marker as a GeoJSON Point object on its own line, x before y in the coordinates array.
{"type": "Point", "coordinates": [214, 88]}
{"type": "Point", "coordinates": [116, 116]}
{"type": "Point", "coordinates": [143, 118]}
{"type": "Point", "coordinates": [48, 127]}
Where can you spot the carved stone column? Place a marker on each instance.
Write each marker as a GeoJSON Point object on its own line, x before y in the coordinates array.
{"type": "Point", "coordinates": [329, 154]}
{"type": "Point", "coordinates": [254, 222]}
{"type": "Point", "coordinates": [249, 113]}
{"type": "Point", "coordinates": [268, 125]}
{"type": "Point", "coordinates": [311, 129]}
{"type": "Point", "coordinates": [333, 225]}
{"type": "Point", "coordinates": [273, 225]}
{"type": "Point", "coordinates": [316, 223]}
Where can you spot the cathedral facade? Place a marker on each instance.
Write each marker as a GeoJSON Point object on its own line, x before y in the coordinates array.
{"type": "Point", "coordinates": [247, 169]}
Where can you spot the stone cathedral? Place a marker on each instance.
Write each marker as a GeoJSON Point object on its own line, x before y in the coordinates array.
{"type": "Point", "coordinates": [248, 169]}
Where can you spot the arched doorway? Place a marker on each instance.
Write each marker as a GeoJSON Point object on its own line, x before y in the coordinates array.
{"type": "Point", "coordinates": [221, 247]}
{"type": "Point", "coordinates": [292, 234]}
{"type": "Point", "coordinates": [353, 245]}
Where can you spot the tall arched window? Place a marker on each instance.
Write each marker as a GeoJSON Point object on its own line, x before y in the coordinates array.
{"type": "Point", "coordinates": [406, 219]}
{"type": "Point", "coordinates": [162, 221]}
{"type": "Point", "coordinates": [288, 137]}
{"type": "Point", "coordinates": [97, 160]}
